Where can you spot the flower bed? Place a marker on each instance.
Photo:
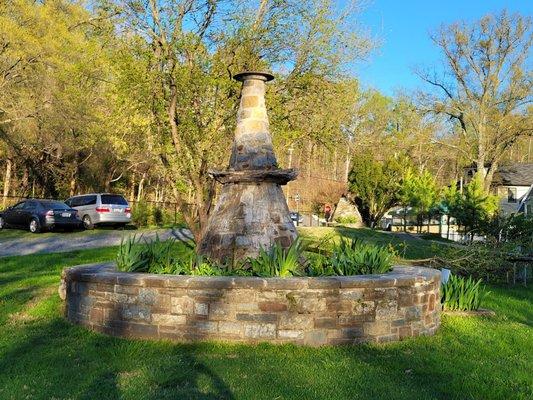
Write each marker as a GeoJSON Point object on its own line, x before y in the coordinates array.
{"type": "Point", "coordinates": [302, 310]}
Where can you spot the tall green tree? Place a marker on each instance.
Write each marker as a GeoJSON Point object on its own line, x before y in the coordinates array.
{"type": "Point", "coordinates": [376, 186]}
{"type": "Point", "coordinates": [420, 191]}
{"type": "Point", "coordinates": [486, 89]}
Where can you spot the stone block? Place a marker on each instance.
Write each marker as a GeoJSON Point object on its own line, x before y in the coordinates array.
{"type": "Point", "coordinates": [141, 330]}
{"type": "Point", "coordinates": [386, 310]}
{"type": "Point", "coordinates": [206, 326]}
{"type": "Point", "coordinates": [181, 305]}
{"type": "Point", "coordinates": [126, 289]}
{"type": "Point", "coordinates": [323, 283]}
{"type": "Point", "coordinates": [290, 334]}
{"type": "Point", "coordinates": [147, 296]}
{"type": "Point", "coordinates": [404, 331]}
{"type": "Point", "coordinates": [231, 328]}
{"type": "Point", "coordinates": [327, 323]}
{"type": "Point", "coordinates": [272, 306]}
{"type": "Point", "coordinates": [135, 312]}
{"type": "Point", "coordinates": [260, 331]}
{"type": "Point", "coordinates": [352, 332]}
{"type": "Point", "coordinates": [168, 319]}
{"type": "Point", "coordinates": [413, 313]}
{"type": "Point", "coordinates": [257, 317]}
{"type": "Point", "coordinates": [351, 294]}
{"type": "Point", "coordinates": [290, 320]}
{"type": "Point", "coordinates": [364, 307]}
{"type": "Point", "coordinates": [317, 337]}
{"type": "Point", "coordinates": [201, 308]}
{"type": "Point", "coordinates": [249, 101]}
{"type": "Point", "coordinates": [377, 328]}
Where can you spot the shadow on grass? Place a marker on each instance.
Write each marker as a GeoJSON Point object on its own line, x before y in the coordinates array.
{"type": "Point", "coordinates": [65, 361]}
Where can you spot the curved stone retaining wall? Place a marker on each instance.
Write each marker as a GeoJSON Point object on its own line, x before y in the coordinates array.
{"type": "Point", "coordinates": [309, 311]}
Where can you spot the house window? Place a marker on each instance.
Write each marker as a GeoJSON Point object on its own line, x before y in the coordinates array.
{"type": "Point", "coordinates": [511, 195]}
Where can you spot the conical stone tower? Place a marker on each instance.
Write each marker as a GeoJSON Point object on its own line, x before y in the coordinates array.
{"type": "Point", "coordinates": [251, 212]}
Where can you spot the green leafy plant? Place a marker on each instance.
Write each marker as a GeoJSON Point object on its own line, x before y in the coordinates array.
{"type": "Point", "coordinates": [277, 261]}
{"type": "Point", "coordinates": [131, 256]}
{"type": "Point", "coordinates": [348, 219]}
{"type": "Point", "coordinates": [462, 294]}
{"type": "Point", "coordinates": [353, 257]}
{"type": "Point", "coordinates": [319, 265]}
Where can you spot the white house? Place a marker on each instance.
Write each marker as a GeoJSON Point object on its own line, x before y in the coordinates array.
{"type": "Point", "coordinates": [513, 183]}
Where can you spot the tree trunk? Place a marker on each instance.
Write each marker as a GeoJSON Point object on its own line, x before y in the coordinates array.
{"type": "Point", "coordinates": [141, 187]}
{"type": "Point", "coordinates": [7, 181]}
{"type": "Point", "coordinates": [132, 188]}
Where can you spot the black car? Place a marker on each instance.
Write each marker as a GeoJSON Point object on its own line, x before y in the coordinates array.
{"type": "Point", "coordinates": [37, 215]}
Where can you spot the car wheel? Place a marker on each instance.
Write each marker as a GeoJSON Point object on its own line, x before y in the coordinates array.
{"type": "Point", "coordinates": [35, 226]}
{"type": "Point", "coordinates": [2, 223]}
{"type": "Point", "coordinates": [87, 223]}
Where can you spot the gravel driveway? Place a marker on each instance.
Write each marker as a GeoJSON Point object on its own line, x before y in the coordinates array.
{"type": "Point", "coordinates": [62, 242]}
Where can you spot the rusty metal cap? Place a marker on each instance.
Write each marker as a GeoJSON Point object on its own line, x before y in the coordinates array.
{"type": "Point", "coordinates": [263, 76]}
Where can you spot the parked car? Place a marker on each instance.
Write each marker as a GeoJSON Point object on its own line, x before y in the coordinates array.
{"type": "Point", "coordinates": [38, 215]}
{"type": "Point", "coordinates": [101, 209]}
{"type": "Point", "coordinates": [296, 217]}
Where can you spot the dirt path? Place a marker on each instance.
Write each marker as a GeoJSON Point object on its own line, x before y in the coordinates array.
{"type": "Point", "coordinates": [62, 242]}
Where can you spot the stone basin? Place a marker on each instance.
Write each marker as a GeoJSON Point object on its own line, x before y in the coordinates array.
{"type": "Point", "coordinates": [302, 310]}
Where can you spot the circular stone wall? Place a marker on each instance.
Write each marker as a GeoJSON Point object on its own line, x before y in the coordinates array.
{"type": "Point", "coordinates": [308, 311]}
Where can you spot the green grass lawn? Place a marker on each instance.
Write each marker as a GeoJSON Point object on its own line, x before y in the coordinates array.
{"type": "Point", "coordinates": [407, 246]}
{"type": "Point", "coordinates": [44, 357]}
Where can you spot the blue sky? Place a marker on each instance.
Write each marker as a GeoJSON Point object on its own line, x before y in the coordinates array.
{"type": "Point", "coordinates": [403, 28]}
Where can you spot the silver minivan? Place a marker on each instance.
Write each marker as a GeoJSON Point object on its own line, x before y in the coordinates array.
{"type": "Point", "coordinates": [101, 208]}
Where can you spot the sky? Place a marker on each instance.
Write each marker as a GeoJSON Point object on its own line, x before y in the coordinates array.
{"type": "Point", "coordinates": [403, 27]}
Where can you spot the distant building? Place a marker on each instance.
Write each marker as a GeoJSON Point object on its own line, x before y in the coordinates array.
{"type": "Point", "coordinates": [512, 183]}
{"type": "Point", "coordinates": [526, 205]}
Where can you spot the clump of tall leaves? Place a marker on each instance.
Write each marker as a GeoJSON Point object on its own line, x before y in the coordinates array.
{"type": "Point", "coordinates": [277, 261]}
{"type": "Point", "coordinates": [462, 294]}
{"type": "Point", "coordinates": [131, 256]}
{"type": "Point", "coordinates": [353, 257]}
{"type": "Point", "coordinates": [160, 257]}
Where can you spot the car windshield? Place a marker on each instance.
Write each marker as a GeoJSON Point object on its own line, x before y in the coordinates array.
{"type": "Point", "coordinates": [53, 205]}
{"type": "Point", "coordinates": [114, 199]}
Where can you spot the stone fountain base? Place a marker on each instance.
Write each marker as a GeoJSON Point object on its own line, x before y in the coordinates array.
{"type": "Point", "coordinates": [305, 311]}
{"type": "Point", "coordinates": [251, 214]}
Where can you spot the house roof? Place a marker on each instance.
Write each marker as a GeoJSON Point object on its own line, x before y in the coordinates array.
{"type": "Point", "coordinates": [514, 175]}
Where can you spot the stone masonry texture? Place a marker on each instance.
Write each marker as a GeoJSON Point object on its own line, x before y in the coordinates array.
{"type": "Point", "coordinates": [309, 311]}
{"type": "Point", "coordinates": [251, 212]}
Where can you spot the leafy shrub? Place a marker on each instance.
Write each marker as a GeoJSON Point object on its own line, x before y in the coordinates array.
{"type": "Point", "coordinates": [131, 256]}
{"type": "Point", "coordinates": [140, 214]}
{"type": "Point", "coordinates": [158, 216]}
{"type": "Point", "coordinates": [353, 257]}
{"type": "Point", "coordinates": [349, 219]}
{"type": "Point", "coordinates": [277, 261]}
{"type": "Point", "coordinates": [462, 294]}
{"type": "Point", "coordinates": [349, 258]}
{"type": "Point", "coordinates": [319, 265]}
{"type": "Point", "coordinates": [479, 260]}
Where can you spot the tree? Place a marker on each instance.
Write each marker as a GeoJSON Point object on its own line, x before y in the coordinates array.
{"type": "Point", "coordinates": [488, 90]}
{"type": "Point", "coordinates": [420, 191]}
{"type": "Point", "coordinates": [192, 49]}
{"type": "Point", "coordinates": [376, 185]}
{"type": "Point", "coordinates": [474, 206]}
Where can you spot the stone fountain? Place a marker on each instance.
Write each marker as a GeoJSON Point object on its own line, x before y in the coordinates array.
{"type": "Point", "coordinates": [251, 211]}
